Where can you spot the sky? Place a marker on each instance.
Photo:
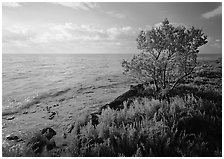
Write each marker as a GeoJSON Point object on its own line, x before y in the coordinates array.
{"type": "Point", "coordinates": [103, 27]}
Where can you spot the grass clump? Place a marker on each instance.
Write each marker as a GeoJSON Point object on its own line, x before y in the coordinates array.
{"type": "Point", "coordinates": [181, 127]}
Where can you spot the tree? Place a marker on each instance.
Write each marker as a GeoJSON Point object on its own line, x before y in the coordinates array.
{"type": "Point", "coordinates": [168, 55]}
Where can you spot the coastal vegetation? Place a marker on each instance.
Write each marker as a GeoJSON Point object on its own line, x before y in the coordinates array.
{"type": "Point", "coordinates": [181, 116]}
{"type": "Point", "coordinates": [177, 112]}
{"type": "Point", "coordinates": [168, 55]}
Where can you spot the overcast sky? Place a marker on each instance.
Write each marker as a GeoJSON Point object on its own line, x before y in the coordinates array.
{"type": "Point", "coordinates": [99, 27]}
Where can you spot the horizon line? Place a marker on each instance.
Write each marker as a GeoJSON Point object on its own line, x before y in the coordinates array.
{"type": "Point", "coordinates": [86, 53]}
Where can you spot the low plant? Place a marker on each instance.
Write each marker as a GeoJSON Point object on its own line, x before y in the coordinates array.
{"type": "Point", "coordinates": [153, 128]}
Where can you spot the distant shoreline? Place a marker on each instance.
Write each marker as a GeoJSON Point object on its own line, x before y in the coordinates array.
{"type": "Point", "coordinates": [90, 53]}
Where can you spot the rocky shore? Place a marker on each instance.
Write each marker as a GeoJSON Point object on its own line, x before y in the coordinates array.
{"type": "Point", "coordinates": [60, 110]}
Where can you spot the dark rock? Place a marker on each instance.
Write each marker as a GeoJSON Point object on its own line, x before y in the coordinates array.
{"type": "Point", "coordinates": [50, 145]}
{"type": "Point", "coordinates": [48, 108]}
{"type": "Point", "coordinates": [64, 144]}
{"type": "Point", "coordinates": [55, 105]}
{"type": "Point", "coordinates": [10, 118]}
{"type": "Point", "coordinates": [70, 128]}
{"type": "Point", "coordinates": [48, 132]}
{"type": "Point", "coordinates": [19, 140]}
{"type": "Point", "coordinates": [37, 144]}
{"type": "Point", "coordinates": [61, 100]}
{"type": "Point", "coordinates": [52, 115]}
{"type": "Point", "coordinates": [25, 112]}
{"type": "Point", "coordinates": [117, 104]}
{"type": "Point", "coordinates": [12, 137]}
{"type": "Point", "coordinates": [42, 140]}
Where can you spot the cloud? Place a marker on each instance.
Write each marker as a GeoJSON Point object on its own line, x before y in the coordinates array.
{"type": "Point", "coordinates": [11, 4]}
{"type": "Point", "coordinates": [78, 5]}
{"type": "Point", "coordinates": [16, 33]}
{"type": "Point", "coordinates": [115, 14]}
{"type": "Point", "coordinates": [121, 33]}
{"type": "Point", "coordinates": [213, 13]}
{"type": "Point", "coordinates": [65, 32]}
{"type": "Point", "coordinates": [70, 31]}
{"type": "Point", "coordinates": [70, 36]}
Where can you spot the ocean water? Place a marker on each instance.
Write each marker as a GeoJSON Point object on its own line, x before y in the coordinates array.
{"type": "Point", "coordinates": [25, 77]}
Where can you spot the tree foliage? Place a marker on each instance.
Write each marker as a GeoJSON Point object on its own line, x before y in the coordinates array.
{"type": "Point", "coordinates": [168, 55]}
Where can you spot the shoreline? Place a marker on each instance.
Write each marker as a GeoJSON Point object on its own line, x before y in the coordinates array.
{"type": "Point", "coordinates": [76, 105]}
{"type": "Point", "coordinates": [69, 104]}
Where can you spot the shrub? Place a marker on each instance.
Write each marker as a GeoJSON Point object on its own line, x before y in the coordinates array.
{"type": "Point", "coordinates": [180, 127]}
{"type": "Point", "coordinates": [168, 55]}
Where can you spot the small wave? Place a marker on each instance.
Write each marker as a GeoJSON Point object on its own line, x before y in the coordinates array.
{"type": "Point", "coordinates": [9, 112]}
{"type": "Point", "coordinates": [35, 100]}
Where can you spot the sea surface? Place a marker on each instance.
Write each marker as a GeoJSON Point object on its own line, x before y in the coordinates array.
{"type": "Point", "coordinates": [25, 77]}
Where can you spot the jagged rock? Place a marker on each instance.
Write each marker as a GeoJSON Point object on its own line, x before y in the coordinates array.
{"type": "Point", "coordinates": [52, 115]}
{"type": "Point", "coordinates": [12, 137]}
{"type": "Point", "coordinates": [42, 140]}
{"type": "Point", "coordinates": [48, 132]}
{"type": "Point", "coordinates": [10, 118]}
{"type": "Point", "coordinates": [117, 104]}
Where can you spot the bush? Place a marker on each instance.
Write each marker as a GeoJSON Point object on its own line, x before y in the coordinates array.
{"type": "Point", "coordinates": [168, 55]}
{"type": "Point", "coordinates": [181, 127]}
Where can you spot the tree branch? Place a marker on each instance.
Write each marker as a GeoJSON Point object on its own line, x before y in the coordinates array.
{"type": "Point", "coordinates": [177, 82]}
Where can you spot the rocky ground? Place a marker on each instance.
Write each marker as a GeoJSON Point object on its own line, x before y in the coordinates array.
{"type": "Point", "coordinates": [61, 110]}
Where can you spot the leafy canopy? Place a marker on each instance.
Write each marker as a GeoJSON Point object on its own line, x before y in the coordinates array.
{"type": "Point", "coordinates": [168, 55]}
